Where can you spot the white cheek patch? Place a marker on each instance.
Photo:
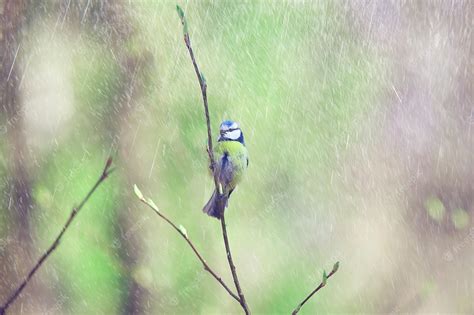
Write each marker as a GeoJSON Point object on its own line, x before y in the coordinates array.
{"type": "Point", "coordinates": [233, 135]}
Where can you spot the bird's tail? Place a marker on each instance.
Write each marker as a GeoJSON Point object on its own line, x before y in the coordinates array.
{"type": "Point", "coordinates": [215, 207]}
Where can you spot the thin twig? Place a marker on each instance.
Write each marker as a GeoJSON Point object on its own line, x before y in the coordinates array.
{"type": "Point", "coordinates": [319, 287]}
{"type": "Point", "coordinates": [184, 234]}
{"type": "Point", "coordinates": [203, 85]}
{"type": "Point", "coordinates": [105, 173]}
{"type": "Point", "coordinates": [232, 267]}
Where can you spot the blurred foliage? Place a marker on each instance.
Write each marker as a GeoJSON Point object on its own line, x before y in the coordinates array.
{"type": "Point", "coordinates": [86, 259]}
{"type": "Point", "coordinates": [301, 82]}
{"type": "Point", "coordinates": [460, 218]}
{"type": "Point", "coordinates": [435, 208]}
{"type": "Point", "coordinates": [295, 78]}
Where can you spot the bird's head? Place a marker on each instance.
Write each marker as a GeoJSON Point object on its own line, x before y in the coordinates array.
{"type": "Point", "coordinates": [230, 131]}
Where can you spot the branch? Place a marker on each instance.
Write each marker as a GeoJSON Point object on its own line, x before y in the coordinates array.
{"type": "Point", "coordinates": [182, 231]}
{"type": "Point", "coordinates": [243, 303]}
{"type": "Point", "coordinates": [203, 85]}
{"type": "Point", "coordinates": [105, 173]}
{"type": "Point", "coordinates": [320, 286]}
{"type": "Point", "coordinates": [210, 151]}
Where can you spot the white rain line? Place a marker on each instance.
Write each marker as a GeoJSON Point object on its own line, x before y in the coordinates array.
{"type": "Point", "coordinates": [154, 158]}
{"type": "Point", "coordinates": [371, 20]}
{"type": "Point", "coordinates": [134, 137]}
{"type": "Point", "coordinates": [65, 14]}
{"type": "Point", "coordinates": [10, 200]}
{"type": "Point", "coordinates": [24, 71]}
{"type": "Point", "coordinates": [13, 63]}
{"type": "Point", "coordinates": [132, 83]}
{"type": "Point", "coordinates": [85, 11]}
{"type": "Point", "coordinates": [396, 93]}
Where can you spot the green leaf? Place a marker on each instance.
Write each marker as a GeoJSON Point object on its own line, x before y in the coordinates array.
{"type": "Point", "coordinates": [180, 12]}
{"type": "Point", "coordinates": [152, 204]}
{"type": "Point", "coordinates": [183, 230]}
{"type": "Point", "coordinates": [335, 267]}
{"type": "Point", "coordinates": [325, 278]}
{"type": "Point", "coordinates": [183, 19]}
{"type": "Point", "coordinates": [138, 192]}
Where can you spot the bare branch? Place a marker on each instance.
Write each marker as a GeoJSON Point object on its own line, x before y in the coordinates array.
{"type": "Point", "coordinates": [320, 286]}
{"type": "Point", "coordinates": [105, 173]}
{"type": "Point", "coordinates": [203, 85]}
{"type": "Point", "coordinates": [243, 302]}
{"type": "Point", "coordinates": [210, 151]}
{"type": "Point", "coordinates": [182, 231]}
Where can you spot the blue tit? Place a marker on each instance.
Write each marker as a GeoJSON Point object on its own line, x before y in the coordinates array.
{"type": "Point", "coordinates": [232, 161]}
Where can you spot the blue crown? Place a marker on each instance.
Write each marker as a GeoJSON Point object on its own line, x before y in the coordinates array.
{"type": "Point", "coordinates": [227, 123]}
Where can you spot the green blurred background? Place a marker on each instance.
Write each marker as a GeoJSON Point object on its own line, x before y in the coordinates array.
{"type": "Point", "coordinates": [358, 119]}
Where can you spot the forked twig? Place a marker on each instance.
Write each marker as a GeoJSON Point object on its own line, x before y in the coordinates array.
{"type": "Point", "coordinates": [105, 173]}
{"type": "Point", "coordinates": [182, 231]}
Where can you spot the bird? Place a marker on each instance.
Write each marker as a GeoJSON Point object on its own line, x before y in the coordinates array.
{"type": "Point", "coordinates": [231, 162]}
